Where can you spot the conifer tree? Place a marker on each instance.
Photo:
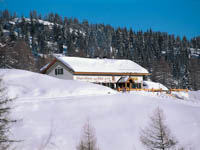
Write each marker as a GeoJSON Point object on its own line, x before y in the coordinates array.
{"type": "Point", "coordinates": [5, 121]}
{"type": "Point", "coordinates": [88, 139]}
{"type": "Point", "coordinates": [157, 135]}
{"type": "Point", "coordinates": [99, 40]}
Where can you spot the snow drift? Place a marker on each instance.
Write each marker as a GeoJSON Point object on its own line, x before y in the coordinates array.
{"type": "Point", "coordinates": [154, 85]}
{"type": "Point", "coordinates": [27, 84]}
{"type": "Point", "coordinates": [117, 117]}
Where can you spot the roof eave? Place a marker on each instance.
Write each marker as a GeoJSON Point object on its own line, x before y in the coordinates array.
{"type": "Point", "coordinates": [110, 73]}
{"type": "Point", "coordinates": [52, 63]}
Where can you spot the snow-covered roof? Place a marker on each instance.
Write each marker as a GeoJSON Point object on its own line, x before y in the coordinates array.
{"type": "Point", "coordinates": [44, 67]}
{"type": "Point", "coordinates": [123, 79]}
{"type": "Point", "coordinates": [79, 64]}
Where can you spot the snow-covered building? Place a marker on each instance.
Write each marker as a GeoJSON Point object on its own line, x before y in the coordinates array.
{"type": "Point", "coordinates": [115, 73]}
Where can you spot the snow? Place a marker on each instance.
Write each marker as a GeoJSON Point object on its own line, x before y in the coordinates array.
{"type": "Point", "coordinates": [195, 95]}
{"type": "Point", "coordinates": [181, 95]}
{"type": "Point", "coordinates": [44, 67]}
{"type": "Point", "coordinates": [153, 85]}
{"type": "Point", "coordinates": [2, 45]}
{"type": "Point", "coordinates": [123, 79]}
{"type": "Point", "coordinates": [11, 22]}
{"type": "Point", "coordinates": [6, 31]}
{"type": "Point", "coordinates": [101, 65]}
{"type": "Point", "coordinates": [27, 84]}
{"type": "Point", "coordinates": [65, 46]}
{"type": "Point", "coordinates": [60, 107]}
{"type": "Point", "coordinates": [195, 52]}
{"type": "Point", "coordinates": [46, 23]}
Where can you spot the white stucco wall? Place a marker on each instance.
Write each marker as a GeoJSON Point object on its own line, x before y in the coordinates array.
{"type": "Point", "coordinates": [66, 74]}
{"type": "Point", "coordinates": [104, 79]}
{"type": "Point", "coordinates": [95, 79]}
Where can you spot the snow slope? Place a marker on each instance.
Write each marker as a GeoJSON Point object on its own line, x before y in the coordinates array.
{"type": "Point", "coordinates": [27, 84]}
{"type": "Point", "coordinates": [195, 95]}
{"type": "Point", "coordinates": [116, 117]}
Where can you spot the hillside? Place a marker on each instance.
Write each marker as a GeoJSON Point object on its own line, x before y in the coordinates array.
{"type": "Point", "coordinates": [27, 84]}
{"type": "Point", "coordinates": [47, 106]}
{"type": "Point", "coordinates": [172, 60]}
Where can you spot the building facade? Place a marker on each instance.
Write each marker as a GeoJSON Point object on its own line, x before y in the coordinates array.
{"type": "Point", "coordinates": [114, 73]}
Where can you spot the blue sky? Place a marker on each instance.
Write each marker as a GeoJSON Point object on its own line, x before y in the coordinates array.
{"type": "Point", "coordinates": [179, 17]}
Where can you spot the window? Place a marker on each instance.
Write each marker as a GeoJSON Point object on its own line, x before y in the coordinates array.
{"type": "Point", "coordinates": [58, 71]}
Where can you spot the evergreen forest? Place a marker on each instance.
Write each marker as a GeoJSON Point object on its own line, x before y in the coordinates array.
{"type": "Point", "coordinates": [28, 42]}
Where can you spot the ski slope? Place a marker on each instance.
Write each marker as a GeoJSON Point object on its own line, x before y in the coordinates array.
{"type": "Point", "coordinates": [47, 106]}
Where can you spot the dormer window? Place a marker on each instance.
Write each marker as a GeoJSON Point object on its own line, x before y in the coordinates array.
{"type": "Point", "coordinates": [58, 71]}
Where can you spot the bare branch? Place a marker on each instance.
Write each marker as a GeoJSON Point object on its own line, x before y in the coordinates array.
{"type": "Point", "coordinates": [157, 135]}
{"type": "Point", "coordinates": [88, 139]}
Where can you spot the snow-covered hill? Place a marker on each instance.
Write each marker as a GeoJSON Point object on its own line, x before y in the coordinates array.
{"type": "Point", "coordinates": [27, 84]}
{"type": "Point", "coordinates": [195, 95]}
{"type": "Point", "coordinates": [47, 105]}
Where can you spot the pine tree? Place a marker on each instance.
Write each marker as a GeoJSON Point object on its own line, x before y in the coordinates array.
{"type": "Point", "coordinates": [157, 135]}
{"type": "Point", "coordinates": [162, 73]}
{"type": "Point", "coordinates": [5, 121]}
{"type": "Point", "coordinates": [1, 30]}
{"type": "Point", "coordinates": [99, 40]}
{"type": "Point", "coordinates": [12, 34]}
{"type": "Point", "coordinates": [6, 15]}
{"type": "Point", "coordinates": [194, 74]}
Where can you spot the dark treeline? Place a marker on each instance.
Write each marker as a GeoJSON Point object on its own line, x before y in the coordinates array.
{"type": "Point", "coordinates": [172, 60]}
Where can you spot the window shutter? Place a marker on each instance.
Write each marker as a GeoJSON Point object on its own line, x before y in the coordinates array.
{"type": "Point", "coordinates": [56, 71]}
{"type": "Point", "coordinates": [61, 71]}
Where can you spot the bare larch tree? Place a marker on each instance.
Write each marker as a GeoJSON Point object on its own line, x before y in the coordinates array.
{"type": "Point", "coordinates": [88, 139]}
{"type": "Point", "coordinates": [157, 135]}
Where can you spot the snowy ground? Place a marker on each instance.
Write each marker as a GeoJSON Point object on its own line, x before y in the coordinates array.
{"type": "Point", "coordinates": [47, 105]}
{"type": "Point", "coordinates": [25, 84]}
{"type": "Point", "coordinates": [195, 95]}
